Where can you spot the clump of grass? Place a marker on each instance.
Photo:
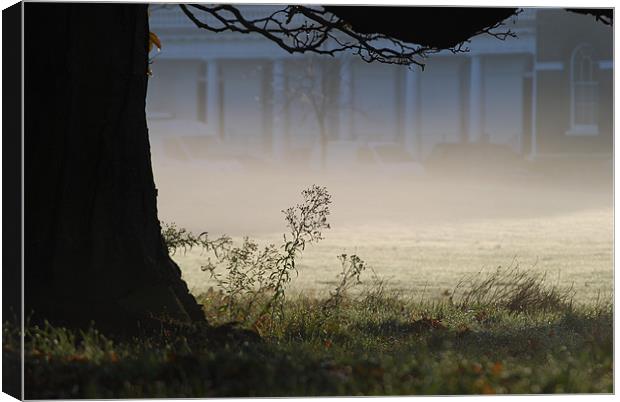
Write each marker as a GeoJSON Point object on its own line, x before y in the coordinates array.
{"type": "Point", "coordinates": [376, 296]}
{"type": "Point", "coordinates": [514, 289]}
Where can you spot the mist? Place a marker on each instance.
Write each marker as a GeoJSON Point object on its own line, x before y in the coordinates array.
{"type": "Point", "coordinates": [498, 156]}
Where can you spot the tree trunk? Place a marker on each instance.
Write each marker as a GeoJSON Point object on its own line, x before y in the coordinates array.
{"type": "Point", "coordinates": [93, 245]}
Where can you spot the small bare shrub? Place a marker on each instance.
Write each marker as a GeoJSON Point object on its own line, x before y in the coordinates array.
{"type": "Point", "coordinates": [177, 238]}
{"type": "Point", "coordinates": [248, 274]}
{"type": "Point", "coordinates": [352, 268]}
{"type": "Point", "coordinates": [246, 278]}
{"type": "Point", "coordinates": [306, 221]}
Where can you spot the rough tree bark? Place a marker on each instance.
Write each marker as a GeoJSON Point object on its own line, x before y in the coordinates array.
{"type": "Point", "coordinates": [93, 247]}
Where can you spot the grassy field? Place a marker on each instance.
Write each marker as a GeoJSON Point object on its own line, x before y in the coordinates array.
{"type": "Point", "coordinates": [420, 233]}
{"type": "Point", "coordinates": [573, 249]}
{"type": "Point", "coordinates": [425, 332]}
{"type": "Point", "coordinates": [433, 313]}
{"type": "Point", "coordinates": [372, 344]}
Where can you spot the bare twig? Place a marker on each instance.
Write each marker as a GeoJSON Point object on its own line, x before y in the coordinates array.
{"type": "Point", "coordinates": [312, 29]}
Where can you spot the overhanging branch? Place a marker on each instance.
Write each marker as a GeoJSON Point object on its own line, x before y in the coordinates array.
{"type": "Point", "coordinates": [319, 30]}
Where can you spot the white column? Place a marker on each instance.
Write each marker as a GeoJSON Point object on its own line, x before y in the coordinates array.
{"type": "Point", "coordinates": [322, 114]}
{"type": "Point", "coordinates": [278, 134]}
{"type": "Point", "coordinates": [346, 100]}
{"type": "Point", "coordinates": [411, 111]}
{"type": "Point", "coordinates": [534, 138]}
{"type": "Point", "coordinates": [475, 99]}
{"type": "Point", "coordinates": [213, 99]}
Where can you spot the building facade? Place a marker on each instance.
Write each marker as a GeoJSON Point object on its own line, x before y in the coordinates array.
{"type": "Point", "coordinates": [573, 87]}
{"type": "Point", "coordinates": [547, 92]}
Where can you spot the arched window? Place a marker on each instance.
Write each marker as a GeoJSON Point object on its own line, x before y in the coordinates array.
{"type": "Point", "coordinates": [584, 92]}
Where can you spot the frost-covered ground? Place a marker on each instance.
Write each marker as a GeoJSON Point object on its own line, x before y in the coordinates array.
{"type": "Point", "coordinates": [574, 249]}
{"type": "Point", "coordinates": [421, 234]}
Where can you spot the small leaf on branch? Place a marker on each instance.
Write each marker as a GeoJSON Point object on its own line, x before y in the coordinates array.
{"type": "Point", "coordinates": [154, 40]}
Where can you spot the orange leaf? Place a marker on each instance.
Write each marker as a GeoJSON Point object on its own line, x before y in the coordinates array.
{"type": "Point", "coordinates": [154, 40]}
{"type": "Point", "coordinates": [113, 357]}
{"type": "Point", "coordinates": [497, 368]}
{"type": "Point", "coordinates": [77, 358]}
{"type": "Point", "coordinates": [487, 389]}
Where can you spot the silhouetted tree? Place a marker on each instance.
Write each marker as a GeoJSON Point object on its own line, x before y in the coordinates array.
{"type": "Point", "coordinates": [308, 84]}
{"type": "Point", "coordinates": [93, 247]}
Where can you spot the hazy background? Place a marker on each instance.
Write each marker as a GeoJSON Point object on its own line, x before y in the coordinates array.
{"type": "Point", "coordinates": [420, 212]}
